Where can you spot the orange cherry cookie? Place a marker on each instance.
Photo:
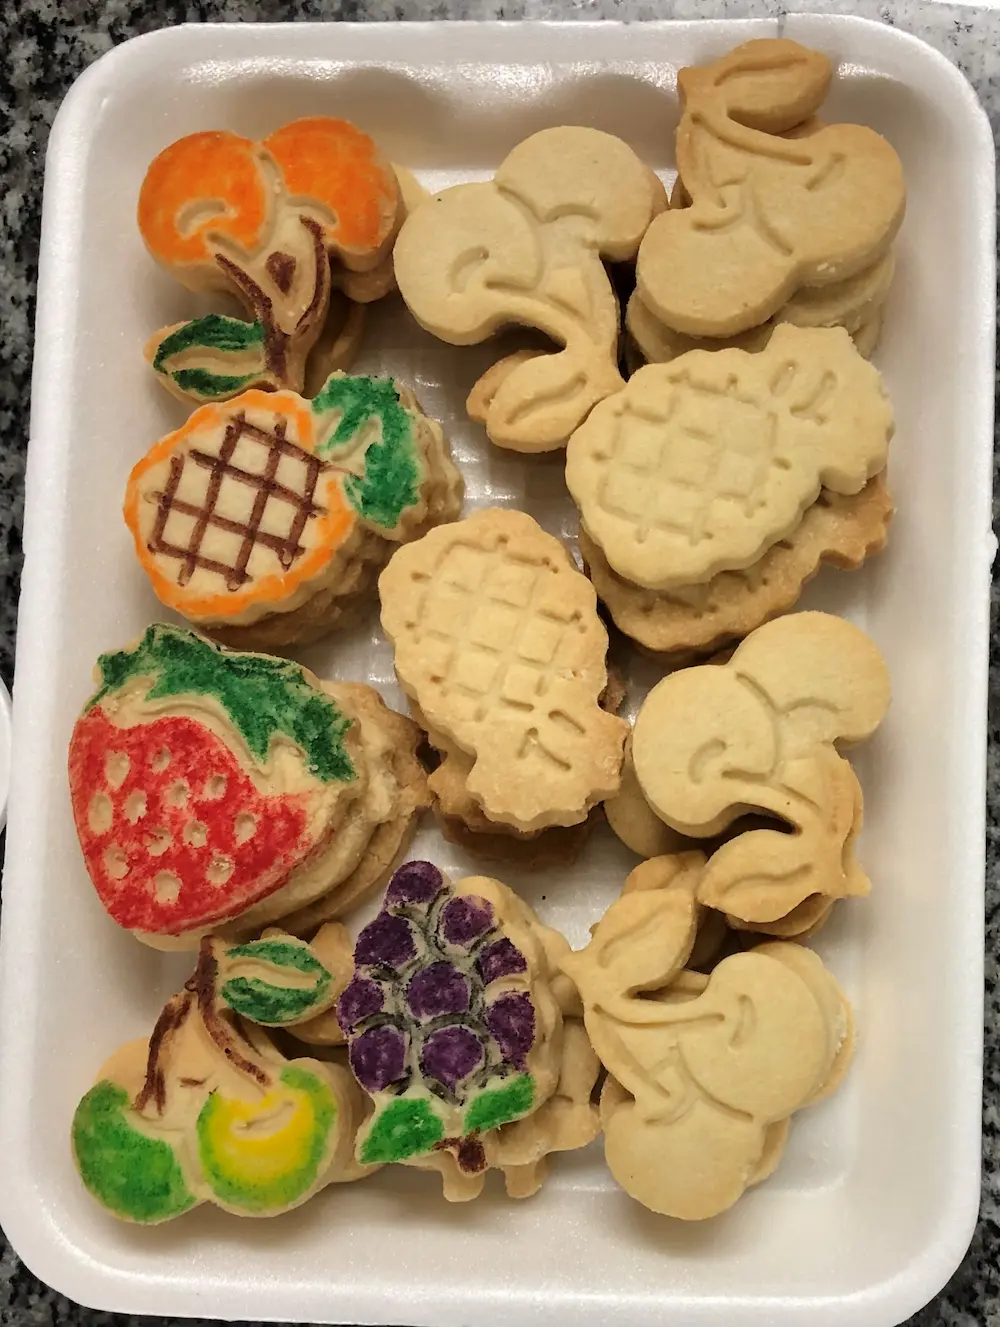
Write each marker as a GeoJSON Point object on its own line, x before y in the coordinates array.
{"type": "Point", "coordinates": [277, 224]}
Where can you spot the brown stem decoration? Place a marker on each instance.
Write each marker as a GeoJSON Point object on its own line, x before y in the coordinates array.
{"type": "Point", "coordinates": [469, 1153]}
{"type": "Point", "coordinates": [280, 267]}
{"type": "Point", "coordinates": [200, 989]}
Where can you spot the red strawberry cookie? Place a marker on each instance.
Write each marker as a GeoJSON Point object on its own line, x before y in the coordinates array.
{"type": "Point", "coordinates": [202, 779]}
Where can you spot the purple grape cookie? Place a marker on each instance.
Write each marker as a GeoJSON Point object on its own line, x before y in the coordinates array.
{"type": "Point", "coordinates": [439, 1021]}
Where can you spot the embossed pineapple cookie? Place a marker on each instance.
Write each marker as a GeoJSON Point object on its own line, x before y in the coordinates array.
{"type": "Point", "coordinates": [704, 1069]}
{"type": "Point", "coordinates": [266, 519]}
{"type": "Point", "coordinates": [757, 736]}
{"type": "Point", "coordinates": [207, 1109]}
{"type": "Point", "coordinates": [499, 647]}
{"type": "Point", "coordinates": [219, 791]}
{"type": "Point", "coordinates": [466, 1035]}
{"type": "Point", "coordinates": [712, 487]}
{"type": "Point", "coordinates": [776, 216]}
{"type": "Point", "coordinates": [526, 248]}
{"type": "Point", "coordinates": [298, 227]}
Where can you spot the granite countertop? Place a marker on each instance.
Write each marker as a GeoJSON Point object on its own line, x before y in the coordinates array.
{"type": "Point", "coordinates": [46, 44]}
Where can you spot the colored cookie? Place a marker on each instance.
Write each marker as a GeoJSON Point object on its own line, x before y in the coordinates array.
{"type": "Point", "coordinates": [452, 1024]}
{"type": "Point", "coordinates": [768, 214]}
{"type": "Point", "coordinates": [526, 247]}
{"type": "Point", "coordinates": [201, 781]}
{"type": "Point", "coordinates": [255, 507]}
{"type": "Point", "coordinates": [264, 222]}
{"type": "Point", "coordinates": [701, 465]}
{"type": "Point", "coordinates": [208, 1110]}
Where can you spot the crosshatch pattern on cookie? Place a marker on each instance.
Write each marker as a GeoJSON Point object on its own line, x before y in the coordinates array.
{"type": "Point", "coordinates": [491, 635]}
{"type": "Point", "coordinates": [261, 453]}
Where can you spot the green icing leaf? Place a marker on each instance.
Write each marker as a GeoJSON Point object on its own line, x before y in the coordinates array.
{"type": "Point", "coordinates": [219, 336]}
{"type": "Point", "coordinates": [491, 1109]}
{"type": "Point", "coordinates": [210, 386]}
{"type": "Point", "coordinates": [213, 332]}
{"type": "Point", "coordinates": [262, 696]}
{"type": "Point", "coordinates": [267, 1002]}
{"type": "Point", "coordinates": [391, 481]}
{"type": "Point", "coordinates": [134, 1176]}
{"type": "Point", "coordinates": [405, 1128]}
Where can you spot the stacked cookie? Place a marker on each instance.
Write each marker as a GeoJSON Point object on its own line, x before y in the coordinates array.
{"type": "Point", "coordinates": [221, 792]}
{"type": "Point", "coordinates": [774, 217]}
{"type": "Point", "coordinates": [498, 644]}
{"type": "Point", "coordinates": [461, 1027]}
{"type": "Point", "coordinates": [710, 488]}
{"type": "Point", "coordinates": [266, 519]}
{"type": "Point", "coordinates": [704, 1070]}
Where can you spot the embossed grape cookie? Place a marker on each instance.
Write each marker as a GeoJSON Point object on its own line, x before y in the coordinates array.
{"type": "Point", "coordinates": [526, 248]}
{"type": "Point", "coordinates": [768, 214]}
{"type": "Point", "coordinates": [700, 465]}
{"type": "Point", "coordinates": [208, 1109]}
{"type": "Point", "coordinates": [266, 518]}
{"type": "Point", "coordinates": [454, 1023]}
{"type": "Point", "coordinates": [276, 224]}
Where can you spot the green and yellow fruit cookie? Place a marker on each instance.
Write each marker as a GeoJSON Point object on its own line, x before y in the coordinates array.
{"type": "Point", "coordinates": [208, 1110]}
{"type": "Point", "coordinates": [269, 513]}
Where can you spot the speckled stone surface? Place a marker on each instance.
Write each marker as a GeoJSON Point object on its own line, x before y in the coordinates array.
{"type": "Point", "coordinates": [45, 44]}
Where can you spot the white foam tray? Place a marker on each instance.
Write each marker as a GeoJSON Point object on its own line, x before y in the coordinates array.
{"type": "Point", "coordinates": [875, 1202]}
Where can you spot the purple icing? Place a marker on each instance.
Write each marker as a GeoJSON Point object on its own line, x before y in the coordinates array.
{"type": "Point", "coordinates": [386, 941]}
{"type": "Point", "coordinates": [438, 989]}
{"type": "Point", "coordinates": [416, 882]}
{"type": "Point", "coordinates": [451, 1054]}
{"type": "Point", "coordinates": [511, 1021]}
{"type": "Point", "coordinates": [359, 999]}
{"type": "Point", "coordinates": [378, 1057]}
{"type": "Point", "coordinates": [500, 959]}
{"type": "Point", "coordinates": [464, 919]}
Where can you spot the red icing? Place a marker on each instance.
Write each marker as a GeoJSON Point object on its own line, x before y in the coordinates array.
{"type": "Point", "coordinates": [261, 864]}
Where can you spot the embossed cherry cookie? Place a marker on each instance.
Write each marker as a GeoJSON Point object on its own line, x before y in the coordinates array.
{"type": "Point", "coordinates": [201, 781]}
{"type": "Point", "coordinates": [703, 1072]}
{"type": "Point", "coordinates": [768, 214]}
{"type": "Point", "coordinates": [208, 1109]}
{"type": "Point", "coordinates": [263, 221]}
{"type": "Point", "coordinates": [274, 509]}
{"type": "Point", "coordinates": [526, 248]}
{"type": "Point", "coordinates": [454, 1021]}
{"type": "Point", "coordinates": [758, 734]}
{"type": "Point", "coordinates": [699, 466]}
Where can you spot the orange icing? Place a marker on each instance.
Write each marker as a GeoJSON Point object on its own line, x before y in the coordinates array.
{"type": "Point", "coordinates": [214, 166]}
{"type": "Point", "coordinates": [335, 163]}
{"type": "Point", "coordinates": [331, 530]}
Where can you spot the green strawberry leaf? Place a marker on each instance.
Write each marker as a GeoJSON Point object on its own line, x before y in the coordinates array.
{"type": "Point", "coordinates": [267, 1001]}
{"type": "Point", "coordinates": [391, 479]}
{"type": "Point", "coordinates": [503, 1104]}
{"type": "Point", "coordinates": [406, 1128]}
{"type": "Point", "coordinates": [217, 338]}
{"type": "Point", "coordinates": [262, 696]}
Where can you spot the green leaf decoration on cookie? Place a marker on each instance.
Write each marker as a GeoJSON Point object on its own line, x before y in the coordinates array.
{"type": "Point", "coordinates": [269, 1002]}
{"type": "Point", "coordinates": [406, 1128]}
{"type": "Point", "coordinates": [391, 479]}
{"type": "Point", "coordinates": [217, 339]}
{"type": "Point", "coordinates": [491, 1109]}
{"type": "Point", "coordinates": [262, 696]}
{"type": "Point", "coordinates": [134, 1176]}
